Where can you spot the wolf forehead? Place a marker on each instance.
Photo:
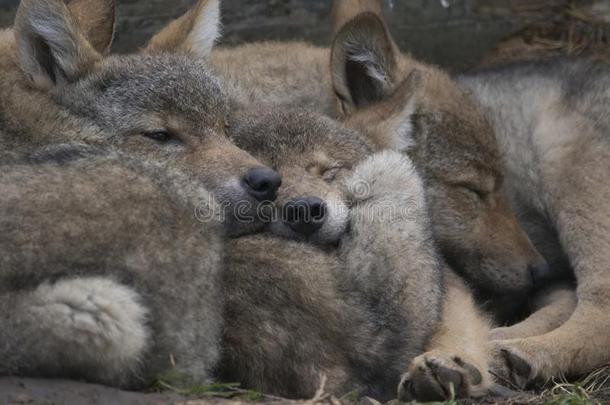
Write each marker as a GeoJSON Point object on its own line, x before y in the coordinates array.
{"type": "Point", "coordinates": [162, 83]}
{"type": "Point", "coordinates": [280, 135]}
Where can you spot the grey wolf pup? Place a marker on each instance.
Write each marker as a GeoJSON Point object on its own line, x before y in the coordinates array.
{"type": "Point", "coordinates": [58, 87]}
{"type": "Point", "coordinates": [357, 314]}
{"type": "Point", "coordinates": [401, 104]}
{"type": "Point", "coordinates": [106, 273]}
{"type": "Point", "coordinates": [316, 156]}
{"type": "Point", "coordinates": [551, 120]}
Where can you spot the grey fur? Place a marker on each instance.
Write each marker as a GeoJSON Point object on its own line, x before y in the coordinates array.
{"type": "Point", "coordinates": [551, 120]}
{"type": "Point", "coordinates": [72, 94]}
{"type": "Point", "coordinates": [421, 112]}
{"type": "Point", "coordinates": [359, 312]}
{"type": "Point", "coordinates": [302, 146]}
{"type": "Point", "coordinates": [358, 315]}
{"type": "Point", "coordinates": [106, 274]}
{"type": "Point", "coordinates": [311, 152]}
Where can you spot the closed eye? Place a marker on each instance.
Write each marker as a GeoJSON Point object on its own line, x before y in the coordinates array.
{"type": "Point", "coordinates": [160, 136]}
{"type": "Point", "coordinates": [475, 191]}
{"type": "Point", "coordinates": [330, 174]}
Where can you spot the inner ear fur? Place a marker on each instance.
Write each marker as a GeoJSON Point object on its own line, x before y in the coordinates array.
{"type": "Point", "coordinates": [364, 61]}
{"type": "Point", "coordinates": [51, 47]}
{"type": "Point", "coordinates": [97, 20]}
{"type": "Point", "coordinates": [194, 32]}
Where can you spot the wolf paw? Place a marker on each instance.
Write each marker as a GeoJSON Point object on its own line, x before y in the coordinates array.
{"type": "Point", "coordinates": [384, 175]}
{"type": "Point", "coordinates": [437, 376]}
{"type": "Point", "coordinates": [100, 316]}
{"type": "Point", "coordinates": [510, 366]}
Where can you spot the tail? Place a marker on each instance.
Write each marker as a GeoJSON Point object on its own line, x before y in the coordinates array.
{"type": "Point", "coordinates": [86, 328]}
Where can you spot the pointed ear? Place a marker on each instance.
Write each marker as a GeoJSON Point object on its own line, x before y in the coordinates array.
{"type": "Point", "coordinates": [195, 32]}
{"type": "Point", "coordinates": [97, 20]}
{"type": "Point", "coordinates": [398, 113]}
{"type": "Point", "coordinates": [364, 62]}
{"type": "Point", "coordinates": [51, 47]}
{"type": "Point", "coordinates": [345, 10]}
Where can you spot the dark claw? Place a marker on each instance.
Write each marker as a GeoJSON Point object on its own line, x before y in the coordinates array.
{"type": "Point", "coordinates": [427, 389]}
{"type": "Point", "coordinates": [519, 369]}
{"type": "Point", "coordinates": [449, 377]}
{"type": "Point", "coordinates": [475, 375]}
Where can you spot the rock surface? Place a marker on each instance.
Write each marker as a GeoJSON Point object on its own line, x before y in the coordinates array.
{"type": "Point", "coordinates": [451, 33]}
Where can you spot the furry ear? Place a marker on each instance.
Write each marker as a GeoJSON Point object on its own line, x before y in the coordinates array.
{"type": "Point", "coordinates": [195, 32]}
{"type": "Point", "coordinates": [399, 109]}
{"type": "Point", "coordinates": [97, 19]}
{"type": "Point", "coordinates": [364, 61]}
{"type": "Point", "coordinates": [345, 10]}
{"type": "Point", "coordinates": [51, 48]}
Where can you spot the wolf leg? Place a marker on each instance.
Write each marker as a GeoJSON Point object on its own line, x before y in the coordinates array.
{"type": "Point", "coordinates": [391, 263]}
{"type": "Point", "coordinates": [578, 346]}
{"type": "Point", "coordinates": [578, 203]}
{"type": "Point", "coordinates": [92, 328]}
{"type": "Point", "coordinates": [456, 363]}
{"type": "Point", "coordinates": [551, 308]}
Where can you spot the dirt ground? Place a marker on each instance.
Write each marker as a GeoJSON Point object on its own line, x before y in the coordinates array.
{"type": "Point", "coordinates": [22, 391]}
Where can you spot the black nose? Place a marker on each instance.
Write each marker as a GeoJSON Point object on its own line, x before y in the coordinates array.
{"type": "Point", "coordinates": [305, 215]}
{"type": "Point", "coordinates": [540, 272]}
{"type": "Point", "coordinates": [262, 183]}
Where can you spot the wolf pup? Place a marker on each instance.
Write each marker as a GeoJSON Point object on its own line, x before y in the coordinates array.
{"type": "Point", "coordinates": [315, 156]}
{"type": "Point", "coordinates": [410, 107]}
{"type": "Point", "coordinates": [357, 314]}
{"type": "Point", "coordinates": [105, 272]}
{"type": "Point", "coordinates": [551, 119]}
{"type": "Point", "coordinates": [407, 106]}
{"type": "Point", "coordinates": [57, 87]}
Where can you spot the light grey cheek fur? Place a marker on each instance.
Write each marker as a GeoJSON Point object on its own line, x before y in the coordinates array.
{"type": "Point", "coordinates": [401, 128]}
{"type": "Point", "coordinates": [336, 223]}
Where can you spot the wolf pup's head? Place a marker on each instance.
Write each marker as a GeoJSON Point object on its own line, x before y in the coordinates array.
{"type": "Point", "coordinates": [161, 105]}
{"type": "Point", "coordinates": [313, 154]}
{"type": "Point", "coordinates": [406, 106]}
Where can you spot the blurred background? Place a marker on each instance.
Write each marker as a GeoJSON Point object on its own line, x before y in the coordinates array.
{"type": "Point", "coordinates": [455, 34]}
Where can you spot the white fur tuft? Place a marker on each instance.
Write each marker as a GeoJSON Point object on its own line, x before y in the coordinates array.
{"type": "Point", "coordinates": [401, 128]}
{"type": "Point", "coordinates": [100, 317]}
{"type": "Point", "coordinates": [384, 173]}
{"type": "Point", "coordinates": [369, 60]}
{"type": "Point", "coordinates": [207, 29]}
{"type": "Point", "coordinates": [336, 223]}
